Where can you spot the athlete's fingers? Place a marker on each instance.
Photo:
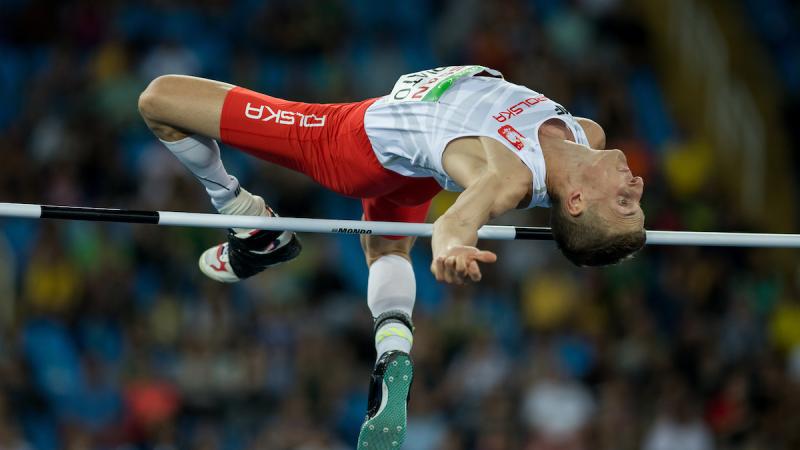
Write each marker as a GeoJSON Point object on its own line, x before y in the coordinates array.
{"type": "Point", "coordinates": [448, 277]}
{"type": "Point", "coordinates": [485, 256]}
{"type": "Point", "coordinates": [437, 267]}
{"type": "Point", "coordinates": [443, 269]}
{"type": "Point", "coordinates": [461, 266]}
{"type": "Point", "coordinates": [460, 269]}
{"type": "Point", "coordinates": [452, 270]}
{"type": "Point", "coordinates": [474, 271]}
{"type": "Point", "coordinates": [459, 278]}
{"type": "Point", "coordinates": [448, 262]}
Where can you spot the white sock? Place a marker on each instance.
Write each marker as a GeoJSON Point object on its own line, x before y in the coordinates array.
{"type": "Point", "coordinates": [391, 287]}
{"type": "Point", "coordinates": [200, 155]}
{"type": "Point", "coordinates": [393, 336]}
{"type": "Point", "coordinates": [245, 204]}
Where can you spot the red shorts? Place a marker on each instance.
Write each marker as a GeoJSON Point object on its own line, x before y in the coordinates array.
{"type": "Point", "coordinates": [328, 143]}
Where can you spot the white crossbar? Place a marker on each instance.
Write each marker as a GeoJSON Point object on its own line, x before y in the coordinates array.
{"type": "Point", "coordinates": [501, 232]}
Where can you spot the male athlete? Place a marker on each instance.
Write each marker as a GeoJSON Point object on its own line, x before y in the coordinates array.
{"type": "Point", "coordinates": [460, 128]}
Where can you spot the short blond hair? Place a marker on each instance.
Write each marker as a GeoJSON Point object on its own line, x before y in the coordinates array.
{"type": "Point", "coordinates": [586, 240]}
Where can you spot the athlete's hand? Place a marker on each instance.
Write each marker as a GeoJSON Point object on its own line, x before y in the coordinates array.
{"type": "Point", "coordinates": [459, 263]}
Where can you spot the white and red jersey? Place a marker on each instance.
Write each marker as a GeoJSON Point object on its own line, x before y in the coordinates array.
{"type": "Point", "coordinates": [410, 128]}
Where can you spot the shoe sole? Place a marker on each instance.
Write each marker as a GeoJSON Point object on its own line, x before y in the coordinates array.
{"type": "Point", "coordinates": [287, 253]}
{"type": "Point", "coordinates": [387, 429]}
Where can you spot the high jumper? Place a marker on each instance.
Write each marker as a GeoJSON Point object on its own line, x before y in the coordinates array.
{"type": "Point", "coordinates": [461, 128]}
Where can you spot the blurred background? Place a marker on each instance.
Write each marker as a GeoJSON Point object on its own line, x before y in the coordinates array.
{"type": "Point", "coordinates": [110, 338]}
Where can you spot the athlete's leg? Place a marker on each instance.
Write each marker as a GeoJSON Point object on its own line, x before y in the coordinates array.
{"type": "Point", "coordinates": [392, 288]}
{"type": "Point", "coordinates": [185, 114]}
{"type": "Point", "coordinates": [391, 291]}
{"type": "Point", "coordinates": [391, 295]}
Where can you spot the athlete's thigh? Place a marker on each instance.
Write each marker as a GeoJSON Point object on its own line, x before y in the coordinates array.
{"type": "Point", "coordinates": [186, 103]}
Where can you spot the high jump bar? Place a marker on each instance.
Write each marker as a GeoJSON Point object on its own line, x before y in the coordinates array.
{"type": "Point", "coordinates": [498, 232]}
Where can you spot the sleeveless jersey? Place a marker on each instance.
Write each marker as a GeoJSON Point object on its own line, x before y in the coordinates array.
{"type": "Point", "coordinates": [410, 128]}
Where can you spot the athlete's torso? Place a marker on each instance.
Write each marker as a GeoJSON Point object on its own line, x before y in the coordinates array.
{"type": "Point", "coordinates": [410, 128]}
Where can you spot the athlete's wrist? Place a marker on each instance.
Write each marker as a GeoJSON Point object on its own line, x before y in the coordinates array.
{"type": "Point", "coordinates": [449, 233]}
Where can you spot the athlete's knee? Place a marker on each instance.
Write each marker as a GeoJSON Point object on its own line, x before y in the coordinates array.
{"type": "Point", "coordinates": [377, 246]}
{"type": "Point", "coordinates": [165, 95]}
{"type": "Point", "coordinates": [153, 103]}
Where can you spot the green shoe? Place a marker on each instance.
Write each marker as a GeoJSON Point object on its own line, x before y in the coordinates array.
{"type": "Point", "coordinates": [385, 425]}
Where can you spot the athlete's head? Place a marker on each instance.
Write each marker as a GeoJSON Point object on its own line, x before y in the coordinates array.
{"type": "Point", "coordinates": [596, 218]}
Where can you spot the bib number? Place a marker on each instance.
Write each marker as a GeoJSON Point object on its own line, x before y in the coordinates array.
{"type": "Point", "coordinates": [429, 85]}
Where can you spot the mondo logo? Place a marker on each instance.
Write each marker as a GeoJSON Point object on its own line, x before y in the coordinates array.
{"type": "Point", "coordinates": [352, 230]}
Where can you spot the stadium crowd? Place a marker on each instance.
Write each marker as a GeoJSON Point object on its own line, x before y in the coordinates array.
{"type": "Point", "coordinates": [110, 338]}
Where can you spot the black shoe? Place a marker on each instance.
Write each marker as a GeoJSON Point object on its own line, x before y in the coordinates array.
{"type": "Point", "coordinates": [246, 254]}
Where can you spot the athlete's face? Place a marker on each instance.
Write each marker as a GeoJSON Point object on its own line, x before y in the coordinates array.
{"type": "Point", "coordinates": [614, 190]}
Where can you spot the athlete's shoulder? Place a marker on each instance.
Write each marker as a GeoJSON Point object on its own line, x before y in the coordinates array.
{"type": "Point", "coordinates": [594, 132]}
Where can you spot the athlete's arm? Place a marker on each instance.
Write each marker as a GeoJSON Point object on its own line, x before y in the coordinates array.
{"type": "Point", "coordinates": [495, 181]}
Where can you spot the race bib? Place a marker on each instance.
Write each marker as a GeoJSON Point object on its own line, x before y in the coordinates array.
{"type": "Point", "coordinates": [429, 85]}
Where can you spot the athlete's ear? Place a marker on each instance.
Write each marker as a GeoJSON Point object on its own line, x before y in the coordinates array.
{"type": "Point", "coordinates": [576, 203]}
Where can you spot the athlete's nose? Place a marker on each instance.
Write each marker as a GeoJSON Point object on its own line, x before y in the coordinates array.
{"type": "Point", "coordinates": [638, 185]}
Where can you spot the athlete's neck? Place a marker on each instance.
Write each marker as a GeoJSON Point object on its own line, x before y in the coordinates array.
{"type": "Point", "coordinates": [563, 160]}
